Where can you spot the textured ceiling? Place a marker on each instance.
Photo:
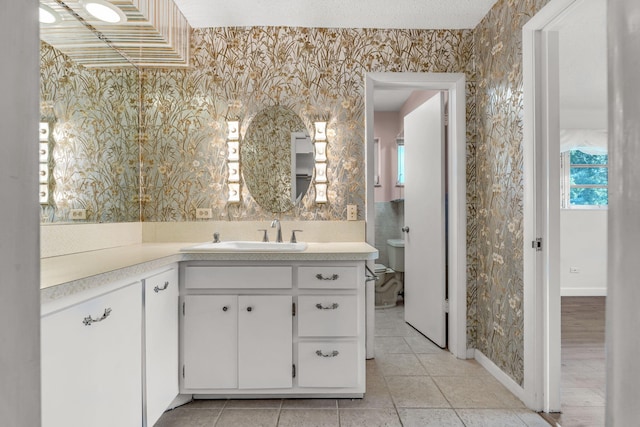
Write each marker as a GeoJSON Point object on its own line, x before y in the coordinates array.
{"type": "Point", "coordinates": [425, 14]}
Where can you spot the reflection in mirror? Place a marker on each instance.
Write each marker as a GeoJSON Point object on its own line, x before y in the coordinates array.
{"type": "Point", "coordinates": [93, 116]}
{"type": "Point", "coordinates": [277, 159]}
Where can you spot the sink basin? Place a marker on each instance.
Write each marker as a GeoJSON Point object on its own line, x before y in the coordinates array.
{"type": "Point", "coordinates": [246, 246]}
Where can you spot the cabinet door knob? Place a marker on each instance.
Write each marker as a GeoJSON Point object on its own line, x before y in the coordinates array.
{"type": "Point", "coordinates": [249, 308]}
{"type": "Point", "coordinates": [225, 308]}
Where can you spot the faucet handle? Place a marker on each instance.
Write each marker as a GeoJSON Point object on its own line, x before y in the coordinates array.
{"type": "Point", "coordinates": [265, 236]}
{"type": "Point", "coordinates": [293, 236]}
{"type": "Point", "coordinates": [216, 237]}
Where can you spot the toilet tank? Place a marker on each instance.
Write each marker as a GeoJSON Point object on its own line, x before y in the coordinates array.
{"type": "Point", "coordinates": [395, 248]}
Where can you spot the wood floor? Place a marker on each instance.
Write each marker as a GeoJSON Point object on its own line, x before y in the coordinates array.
{"type": "Point", "coordinates": [583, 362]}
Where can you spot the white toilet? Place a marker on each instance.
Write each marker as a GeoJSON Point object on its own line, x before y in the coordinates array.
{"type": "Point", "coordinates": [390, 280]}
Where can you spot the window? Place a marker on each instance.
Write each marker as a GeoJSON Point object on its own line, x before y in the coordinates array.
{"type": "Point", "coordinates": [400, 180]}
{"type": "Point", "coordinates": [585, 178]}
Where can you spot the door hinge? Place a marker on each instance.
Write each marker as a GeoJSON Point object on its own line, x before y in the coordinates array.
{"type": "Point", "coordinates": [446, 306]}
{"type": "Point", "coordinates": [183, 308]}
{"type": "Point", "coordinates": [293, 370]}
{"type": "Point", "coordinates": [293, 308]}
{"type": "Point", "coordinates": [537, 244]}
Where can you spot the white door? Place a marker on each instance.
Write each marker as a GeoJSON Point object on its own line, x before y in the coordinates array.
{"type": "Point", "coordinates": [425, 279]}
{"type": "Point", "coordinates": [265, 324]}
{"type": "Point", "coordinates": [161, 342]}
{"type": "Point", "coordinates": [210, 353]}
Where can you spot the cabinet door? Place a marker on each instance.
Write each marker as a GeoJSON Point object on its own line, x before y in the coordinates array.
{"type": "Point", "coordinates": [161, 342]}
{"type": "Point", "coordinates": [265, 341]}
{"type": "Point", "coordinates": [92, 371]}
{"type": "Point", "coordinates": [210, 353]}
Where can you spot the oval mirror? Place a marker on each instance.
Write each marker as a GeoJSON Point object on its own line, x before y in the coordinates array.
{"type": "Point", "coordinates": [277, 159]}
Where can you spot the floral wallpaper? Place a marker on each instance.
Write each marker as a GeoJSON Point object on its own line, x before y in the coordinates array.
{"type": "Point", "coordinates": [499, 184]}
{"type": "Point", "coordinates": [237, 72]}
{"type": "Point", "coordinates": [93, 116]}
{"type": "Point", "coordinates": [319, 74]}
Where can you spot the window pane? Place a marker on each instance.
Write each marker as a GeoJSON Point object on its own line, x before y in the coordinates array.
{"type": "Point", "coordinates": [589, 176]}
{"type": "Point", "coordinates": [400, 164]}
{"type": "Point", "coordinates": [580, 158]}
{"type": "Point", "coordinates": [589, 196]}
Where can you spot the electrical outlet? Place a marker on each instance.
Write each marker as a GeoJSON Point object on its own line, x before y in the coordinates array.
{"type": "Point", "coordinates": [204, 213]}
{"type": "Point", "coordinates": [78, 214]}
{"type": "Point", "coordinates": [352, 212]}
{"type": "Point", "coordinates": [574, 270]}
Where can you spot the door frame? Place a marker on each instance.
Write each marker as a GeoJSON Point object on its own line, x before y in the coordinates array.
{"type": "Point", "coordinates": [455, 84]}
{"type": "Point", "coordinates": [541, 210]}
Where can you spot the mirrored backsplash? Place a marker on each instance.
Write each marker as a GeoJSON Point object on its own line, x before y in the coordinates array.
{"type": "Point", "coordinates": [174, 162]}
{"type": "Point", "coordinates": [93, 115]}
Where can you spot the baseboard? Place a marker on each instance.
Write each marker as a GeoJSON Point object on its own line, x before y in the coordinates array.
{"type": "Point", "coordinates": [181, 399]}
{"type": "Point", "coordinates": [504, 379]}
{"type": "Point", "coordinates": [583, 292]}
{"type": "Point", "coordinates": [471, 353]}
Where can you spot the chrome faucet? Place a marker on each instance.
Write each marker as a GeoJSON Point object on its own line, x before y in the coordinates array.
{"type": "Point", "coordinates": [276, 223]}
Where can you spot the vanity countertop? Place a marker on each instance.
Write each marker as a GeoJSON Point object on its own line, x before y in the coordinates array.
{"type": "Point", "coordinates": [69, 274]}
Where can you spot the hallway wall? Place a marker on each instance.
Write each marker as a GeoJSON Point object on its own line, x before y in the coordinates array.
{"type": "Point", "coordinates": [499, 184]}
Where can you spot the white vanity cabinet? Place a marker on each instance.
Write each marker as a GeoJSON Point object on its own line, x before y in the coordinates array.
{"type": "Point", "coordinates": [91, 361]}
{"type": "Point", "coordinates": [287, 328]}
{"type": "Point", "coordinates": [110, 355]}
{"type": "Point", "coordinates": [160, 342]}
{"type": "Point", "coordinates": [330, 326]}
{"type": "Point", "coordinates": [237, 341]}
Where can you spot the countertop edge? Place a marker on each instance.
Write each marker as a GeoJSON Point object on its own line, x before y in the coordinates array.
{"type": "Point", "coordinates": [117, 264]}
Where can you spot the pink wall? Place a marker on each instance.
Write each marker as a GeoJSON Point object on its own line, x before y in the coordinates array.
{"type": "Point", "coordinates": [416, 99]}
{"type": "Point", "coordinates": [386, 126]}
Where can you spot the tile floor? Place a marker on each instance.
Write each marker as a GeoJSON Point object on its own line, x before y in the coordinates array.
{"type": "Point", "coordinates": [411, 382]}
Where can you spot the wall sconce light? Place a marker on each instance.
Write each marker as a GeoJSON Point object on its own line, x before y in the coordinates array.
{"type": "Point", "coordinates": [233, 153]}
{"type": "Point", "coordinates": [43, 158]}
{"type": "Point", "coordinates": [320, 144]}
{"type": "Point", "coordinates": [234, 130]}
{"type": "Point", "coordinates": [321, 193]}
{"type": "Point", "coordinates": [321, 131]}
{"type": "Point", "coordinates": [321, 151]}
{"type": "Point", "coordinates": [233, 161]}
{"type": "Point", "coordinates": [234, 193]}
{"type": "Point", "coordinates": [234, 171]}
{"type": "Point", "coordinates": [321, 172]}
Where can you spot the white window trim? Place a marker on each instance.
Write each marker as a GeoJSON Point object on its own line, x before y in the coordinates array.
{"type": "Point", "coordinates": [565, 184]}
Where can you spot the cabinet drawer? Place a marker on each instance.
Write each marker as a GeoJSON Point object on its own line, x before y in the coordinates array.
{"type": "Point", "coordinates": [254, 277]}
{"type": "Point", "coordinates": [327, 316]}
{"type": "Point", "coordinates": [328, 277]}
{"type": "Point", "coordinates": [328, 364]}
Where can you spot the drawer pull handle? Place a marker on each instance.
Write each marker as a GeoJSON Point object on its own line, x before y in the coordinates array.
{"type": "Point", "coordinates": [321, 277]}
{"type": "Point", "coordinates": [334, 353]}
{"type": "Point", "coordinates": [225, 308]}
{"type": "Point", "coordinates": [328, 307]}
{"type": "Point", "coordinates": [88, 321]}
{"type": "Point", "coordinates": [158, 288]}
